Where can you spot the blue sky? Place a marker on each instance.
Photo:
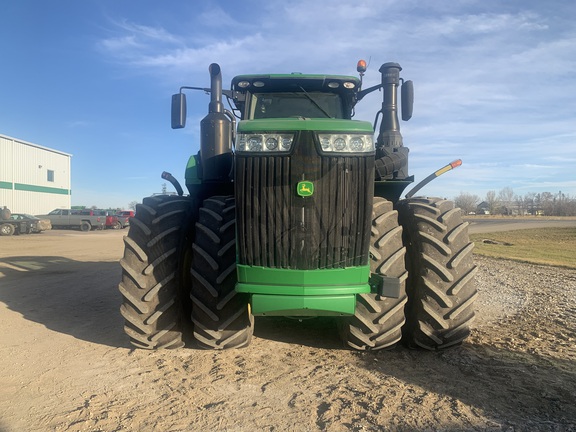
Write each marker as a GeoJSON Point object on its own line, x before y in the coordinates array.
{"type": "Point", "coordinates": [495, 82]}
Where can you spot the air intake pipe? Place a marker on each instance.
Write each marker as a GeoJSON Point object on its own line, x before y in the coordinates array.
{"type": "Point", "coordinates": [391, 155]}
{"type": "Point", "coordinates": [390, 136]}
{"type": "Point", "coordinates": [389, 165]}
{"type": "Point", "coordinates": [216, 132]}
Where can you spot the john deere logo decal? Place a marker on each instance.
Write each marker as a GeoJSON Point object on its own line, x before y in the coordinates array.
{"type": "Point", "coordinates": [305, 188]}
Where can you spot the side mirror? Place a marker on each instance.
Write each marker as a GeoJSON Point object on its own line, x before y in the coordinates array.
{"type": "Point", "coordinates": [407, 94]}
{"type": "Point", "coordinates": [178, 111]}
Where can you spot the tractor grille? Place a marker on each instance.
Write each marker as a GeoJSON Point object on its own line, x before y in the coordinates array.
{"type": "Point", "coordinates": [277, 228]}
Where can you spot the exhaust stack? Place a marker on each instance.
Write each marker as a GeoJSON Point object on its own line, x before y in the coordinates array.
{"type": "Point", "coordinates": [216, 133]}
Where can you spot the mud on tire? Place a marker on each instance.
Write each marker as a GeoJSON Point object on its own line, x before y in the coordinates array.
{"type": "Point", "coordinates": [441, 290]}
{"type": "Point", "coordinates": [220, 315]}
{"type": "Point", "coordinates": [151, 305]}
{"type": "Point", "coordinates": [378, 321]}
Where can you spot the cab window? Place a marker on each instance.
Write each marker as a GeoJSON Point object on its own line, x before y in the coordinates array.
{"type": "Point", "coordinates": [296, 104]}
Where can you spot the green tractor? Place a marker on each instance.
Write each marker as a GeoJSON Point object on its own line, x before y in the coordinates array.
{"type": "Point", "coordinates": [296, 211]}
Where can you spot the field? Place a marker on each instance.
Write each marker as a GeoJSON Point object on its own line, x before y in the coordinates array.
{"type": "Point", "coordinates": [547, 246]}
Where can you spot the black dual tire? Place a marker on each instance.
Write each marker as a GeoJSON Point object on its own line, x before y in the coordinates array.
{"type": "Point", "coordinates": [441, 287]}
{"type": "Point", "coordinates": [220, 315]}
{"type": "Point", "coordinates": [151, 274]}
{"type": "Point", "coordinates": [377, 322]}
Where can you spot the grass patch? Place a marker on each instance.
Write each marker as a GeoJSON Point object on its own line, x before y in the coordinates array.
{"type": "Point", "coordinates": [548, 246]}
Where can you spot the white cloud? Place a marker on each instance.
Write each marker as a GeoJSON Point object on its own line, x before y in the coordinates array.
{"type": "Point", "coordinates": [492, 82]}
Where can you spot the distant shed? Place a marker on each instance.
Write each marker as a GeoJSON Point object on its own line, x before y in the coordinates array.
{"type": "Point", "coordinates": [33, 179]}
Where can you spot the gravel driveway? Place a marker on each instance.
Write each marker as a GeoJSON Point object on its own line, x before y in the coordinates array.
{"type": "Point", "coordinates": [66, 364]}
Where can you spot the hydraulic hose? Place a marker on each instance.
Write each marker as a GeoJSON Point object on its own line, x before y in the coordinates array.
{"type": "Point", "coordinates": [167, 176]}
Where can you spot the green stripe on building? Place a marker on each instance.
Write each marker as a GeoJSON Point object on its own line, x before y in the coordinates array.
{"type": "Point", "coordinates": [42, 189]}
{"type": "Point", "coordinates": [5, 185]}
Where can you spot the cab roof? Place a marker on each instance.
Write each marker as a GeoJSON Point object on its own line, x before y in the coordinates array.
{"type": "Point", "coordinates": [293, 82]}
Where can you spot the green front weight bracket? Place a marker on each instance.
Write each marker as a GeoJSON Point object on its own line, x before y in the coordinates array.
{"type": "Point", "coordinates": [287, 292]}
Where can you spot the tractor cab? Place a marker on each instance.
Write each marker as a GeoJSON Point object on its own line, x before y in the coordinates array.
{"type": "Point", "coordinates": [295, 96]}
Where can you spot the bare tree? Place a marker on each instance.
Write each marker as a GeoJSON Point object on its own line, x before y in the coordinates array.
{"type": "Point", "coordinates": [467, 202]}
{"type": "Point", "coordinates": [506, 202]}
{"type": "Point", "coordinates": [561, 207]}
{"type": "Point", "coordinates": [547, 202]}
{"type": "Point", "coordinates": [520, 204]}
{"type": "Point", "coordinates": [132, 205]}
{"type": "Point", "coordinates": [570, 206]}
{"type": "Point", "coordinates": [530, 203]}
{"type": "Point", "coordinates": [492, 201]}
{"type": "Point", "coordinates": [506, 198]}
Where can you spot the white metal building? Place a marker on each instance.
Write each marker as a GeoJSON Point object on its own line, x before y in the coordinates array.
{"type": "Point", "coordinates": [33, 179]}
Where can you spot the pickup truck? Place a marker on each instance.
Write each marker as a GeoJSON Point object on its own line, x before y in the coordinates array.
{"type": "Point", "coordinates": [111, 220]}
{"type": "Point", "coordinates": [86, 220]}
{"type": "Point", "coordinates": [124, 217]}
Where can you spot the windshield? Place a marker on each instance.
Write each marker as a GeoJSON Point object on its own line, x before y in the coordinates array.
{"type": "Point", "coordinates": [283, 105]}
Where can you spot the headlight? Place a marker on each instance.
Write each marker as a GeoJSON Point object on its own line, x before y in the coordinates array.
{"type": "Point", "coordinates": [271, 143]}
{"type": "Point", "coordinates": [254, 143]}
{"type": "Point", "coordinates": [346, 143]}
{"type": "Point", "coordinates": [264, 142]}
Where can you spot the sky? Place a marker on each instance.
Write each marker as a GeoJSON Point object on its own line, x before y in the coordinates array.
{"type": "Point", "coordinates": [495, 82]}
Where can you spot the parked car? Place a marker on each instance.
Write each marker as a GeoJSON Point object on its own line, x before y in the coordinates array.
{"type": "Point", "coordinates": [9, 226]}
{"type": "Point", "coordinates": [36, 224]}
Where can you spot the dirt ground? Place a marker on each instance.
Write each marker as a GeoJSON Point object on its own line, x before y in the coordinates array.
{"type": "Point", "coordinates": [66, 364]}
